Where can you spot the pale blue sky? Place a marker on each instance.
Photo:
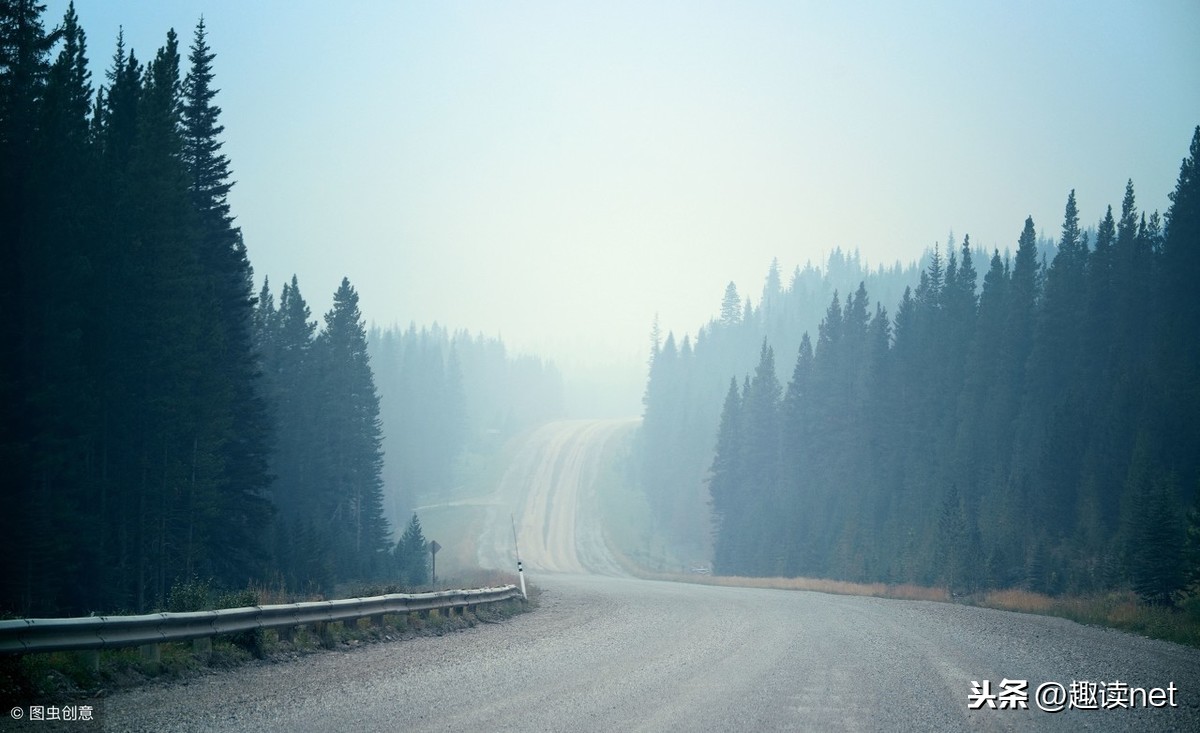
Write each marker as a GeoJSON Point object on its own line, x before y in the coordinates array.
{"type": "Point", "coordinates": [559, 172]}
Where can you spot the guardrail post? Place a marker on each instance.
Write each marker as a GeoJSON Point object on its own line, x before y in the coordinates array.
{"type": "Point", "coordinates": [324, 634]}
{"type": "Point", "coordinates": [91, 660]}
{"type": "Point", "coordinates": [151, 653]}
{"type": "Point", "coordinates": [202, 647]}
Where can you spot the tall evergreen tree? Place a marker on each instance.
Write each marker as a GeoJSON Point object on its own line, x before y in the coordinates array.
{"type": "Point", "coordinates": [1025, 293]}
{"type": "Point", "coordinates": [1049, 427]}
{"type": "Point", "coordinates": [54, 405]}
{"type": "Point", "coordinates": [1098, 336]}
{"type": "Point", "coordinates": [351, 502]}
{"type": "Point", "coordinates": [24, 67]}
{"type": "Point", "coordinates": [725, 484]}
{"type": "Point", "coordinates": [1178, 348]}
{"type": "Point", "coordinates": [227, 290]}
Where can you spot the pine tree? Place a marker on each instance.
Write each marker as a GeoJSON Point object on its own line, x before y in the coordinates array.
{"type": "Point", "coordinates": [731, 306]}
{"type": "Point", "coordinates": [725, 484]}
{"type": "Point", "coordinates": [662, 406]}
{"type": "Point", "coordinates": [241, 422]}
{"type": "Point", "coordinates": [1179, 348]}
{"type": "Point", "coordinates": [160, 366]}
{"type": "Point", "coordinates": [1022, 305]}
{"type": "Point", "coordinates": [1132, 265]}
{"type": "Point", "coordinates": [1155, 533]}
{"type": "Point", "coordinates": [760, 465]}
{"type": "Point", "coordinates": [794, 470]}
{"type": "Point", "coordinates": [412, 555]}
{"type": "Point", "coordinates": [208, 168]}
{"type": "Point", "coordinates": [1047, 440]}
{"type": "Point", "coordinates": [1057, 338]}
{"type": "Point", "coordinates": [1099, 310]}
{"type": "Point", "coordinates": [265, 323]}
{"type": "Point", "coordinates": [1107, 412]}
{"type": "Point", "coordinates": [982, 440]}
{"type": "Point", "coordinates": [351, 502]}
{"type": "Point", "coordinates": [117, 110]}
{"type": "Point", "coordinates": [793, 422]}
{"type": "Point", "coordinates": [957, 328]}
{"type": "Point", "coordinates": [958, 546]}
{"type": "Point", "coordinates": [64, 393]}
{"type": "Point", "coordinates": [290, 382]}
{"type": "Point", "coordinates": [68, 95]}
{"type": "Point", "coordinates": [935, 280]}
{"type": "Point", "coordinates": [772, 288]}
{"type": "Point", "coordinates": [24, 67]}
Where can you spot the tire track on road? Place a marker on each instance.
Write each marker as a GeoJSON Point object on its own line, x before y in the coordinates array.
{"type": "Point", "coordinates": [551, 490]}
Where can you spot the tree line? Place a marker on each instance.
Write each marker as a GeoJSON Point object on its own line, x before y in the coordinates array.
{"type": "Point", "coordinates": [688, 377]}
{"type": "Point", "coordinates": [135, 445]}
{"type": "Point", "coordinates": [1036, 432]}
{"type": "Point", "coordinates": [162, 421]}
{"type": "Point", "coordinates": [449, 395]}
{"type": "Point", "coordinates": [343, 399]}
{"type": "Point", "coordinates": [327, 459]}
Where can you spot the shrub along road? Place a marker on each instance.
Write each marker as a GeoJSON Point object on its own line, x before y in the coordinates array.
{"type": "Point", "coordinates": [610, 653]}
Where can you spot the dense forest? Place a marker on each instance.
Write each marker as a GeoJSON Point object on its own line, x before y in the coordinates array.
{"type": "Point", "coordinates": [166, 422]}
{"type": "Point", "coordinates": [1037, 432]}
{"type": "Point", "coordinates": [688, 379]}
{"type": "Point", "coordinates": [444, 394]}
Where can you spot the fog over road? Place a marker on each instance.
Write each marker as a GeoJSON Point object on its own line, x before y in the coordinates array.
{"type": "Point", "coordinates": [611, 653]}
{"type": "Point", "coordinates": [549, 489]}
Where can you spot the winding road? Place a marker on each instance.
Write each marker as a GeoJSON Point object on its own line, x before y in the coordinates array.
{"type": "Point", "coordinates": [612, 653]}
{"type": "Point", "coordinates": [550, 488]}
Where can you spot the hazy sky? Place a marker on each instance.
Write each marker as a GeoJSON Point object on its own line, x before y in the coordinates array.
{"type": "Point", "coordinates": [557, 173]}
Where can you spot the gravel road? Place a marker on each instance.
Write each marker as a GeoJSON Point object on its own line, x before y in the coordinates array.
{"type": "Point", "coordinates": [613, 654]}
{"type": "Point", "coordinates": [548, 489]}
{"type": "Point", "coordinates": [608, 653]}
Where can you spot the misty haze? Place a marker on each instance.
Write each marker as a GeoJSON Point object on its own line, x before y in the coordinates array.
{"type": "Point", "coordinates": [631, 366]}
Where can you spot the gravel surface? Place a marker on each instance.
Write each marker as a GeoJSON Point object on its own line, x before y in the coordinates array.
{"type": "Point", "coordinates": [548, 490]}
{"type": "Point", "coordinates": [610, 654]}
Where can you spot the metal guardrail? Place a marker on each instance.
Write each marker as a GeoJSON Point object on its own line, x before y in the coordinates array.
{"type": "Point", "coordinates": [104, 632]}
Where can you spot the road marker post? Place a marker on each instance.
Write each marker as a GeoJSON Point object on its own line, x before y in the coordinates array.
{"type": "Point", "coordinates": [520, 570]}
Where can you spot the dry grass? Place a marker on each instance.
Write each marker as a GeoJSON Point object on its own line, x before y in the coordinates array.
{"type": "Point", "coordinates": [905, 591]}
{"type": "Point", "coordinates": [478, 578]}
{"type": "Point", "coordinates": [1015, 599]}
{"type": "Point", "coordinates": [1116, 609]}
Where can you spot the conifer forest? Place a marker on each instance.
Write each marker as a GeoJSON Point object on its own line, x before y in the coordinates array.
{"type": "Point", "coordinates": [1020, 419]}
{"type": "Point", "coordinates": [165, 419]}
{"type": "Point", "coordinates": [1021, 416]}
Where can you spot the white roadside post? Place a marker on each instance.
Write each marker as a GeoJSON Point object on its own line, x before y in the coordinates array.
{"type": "Point", "coordinates": [520, 570]}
